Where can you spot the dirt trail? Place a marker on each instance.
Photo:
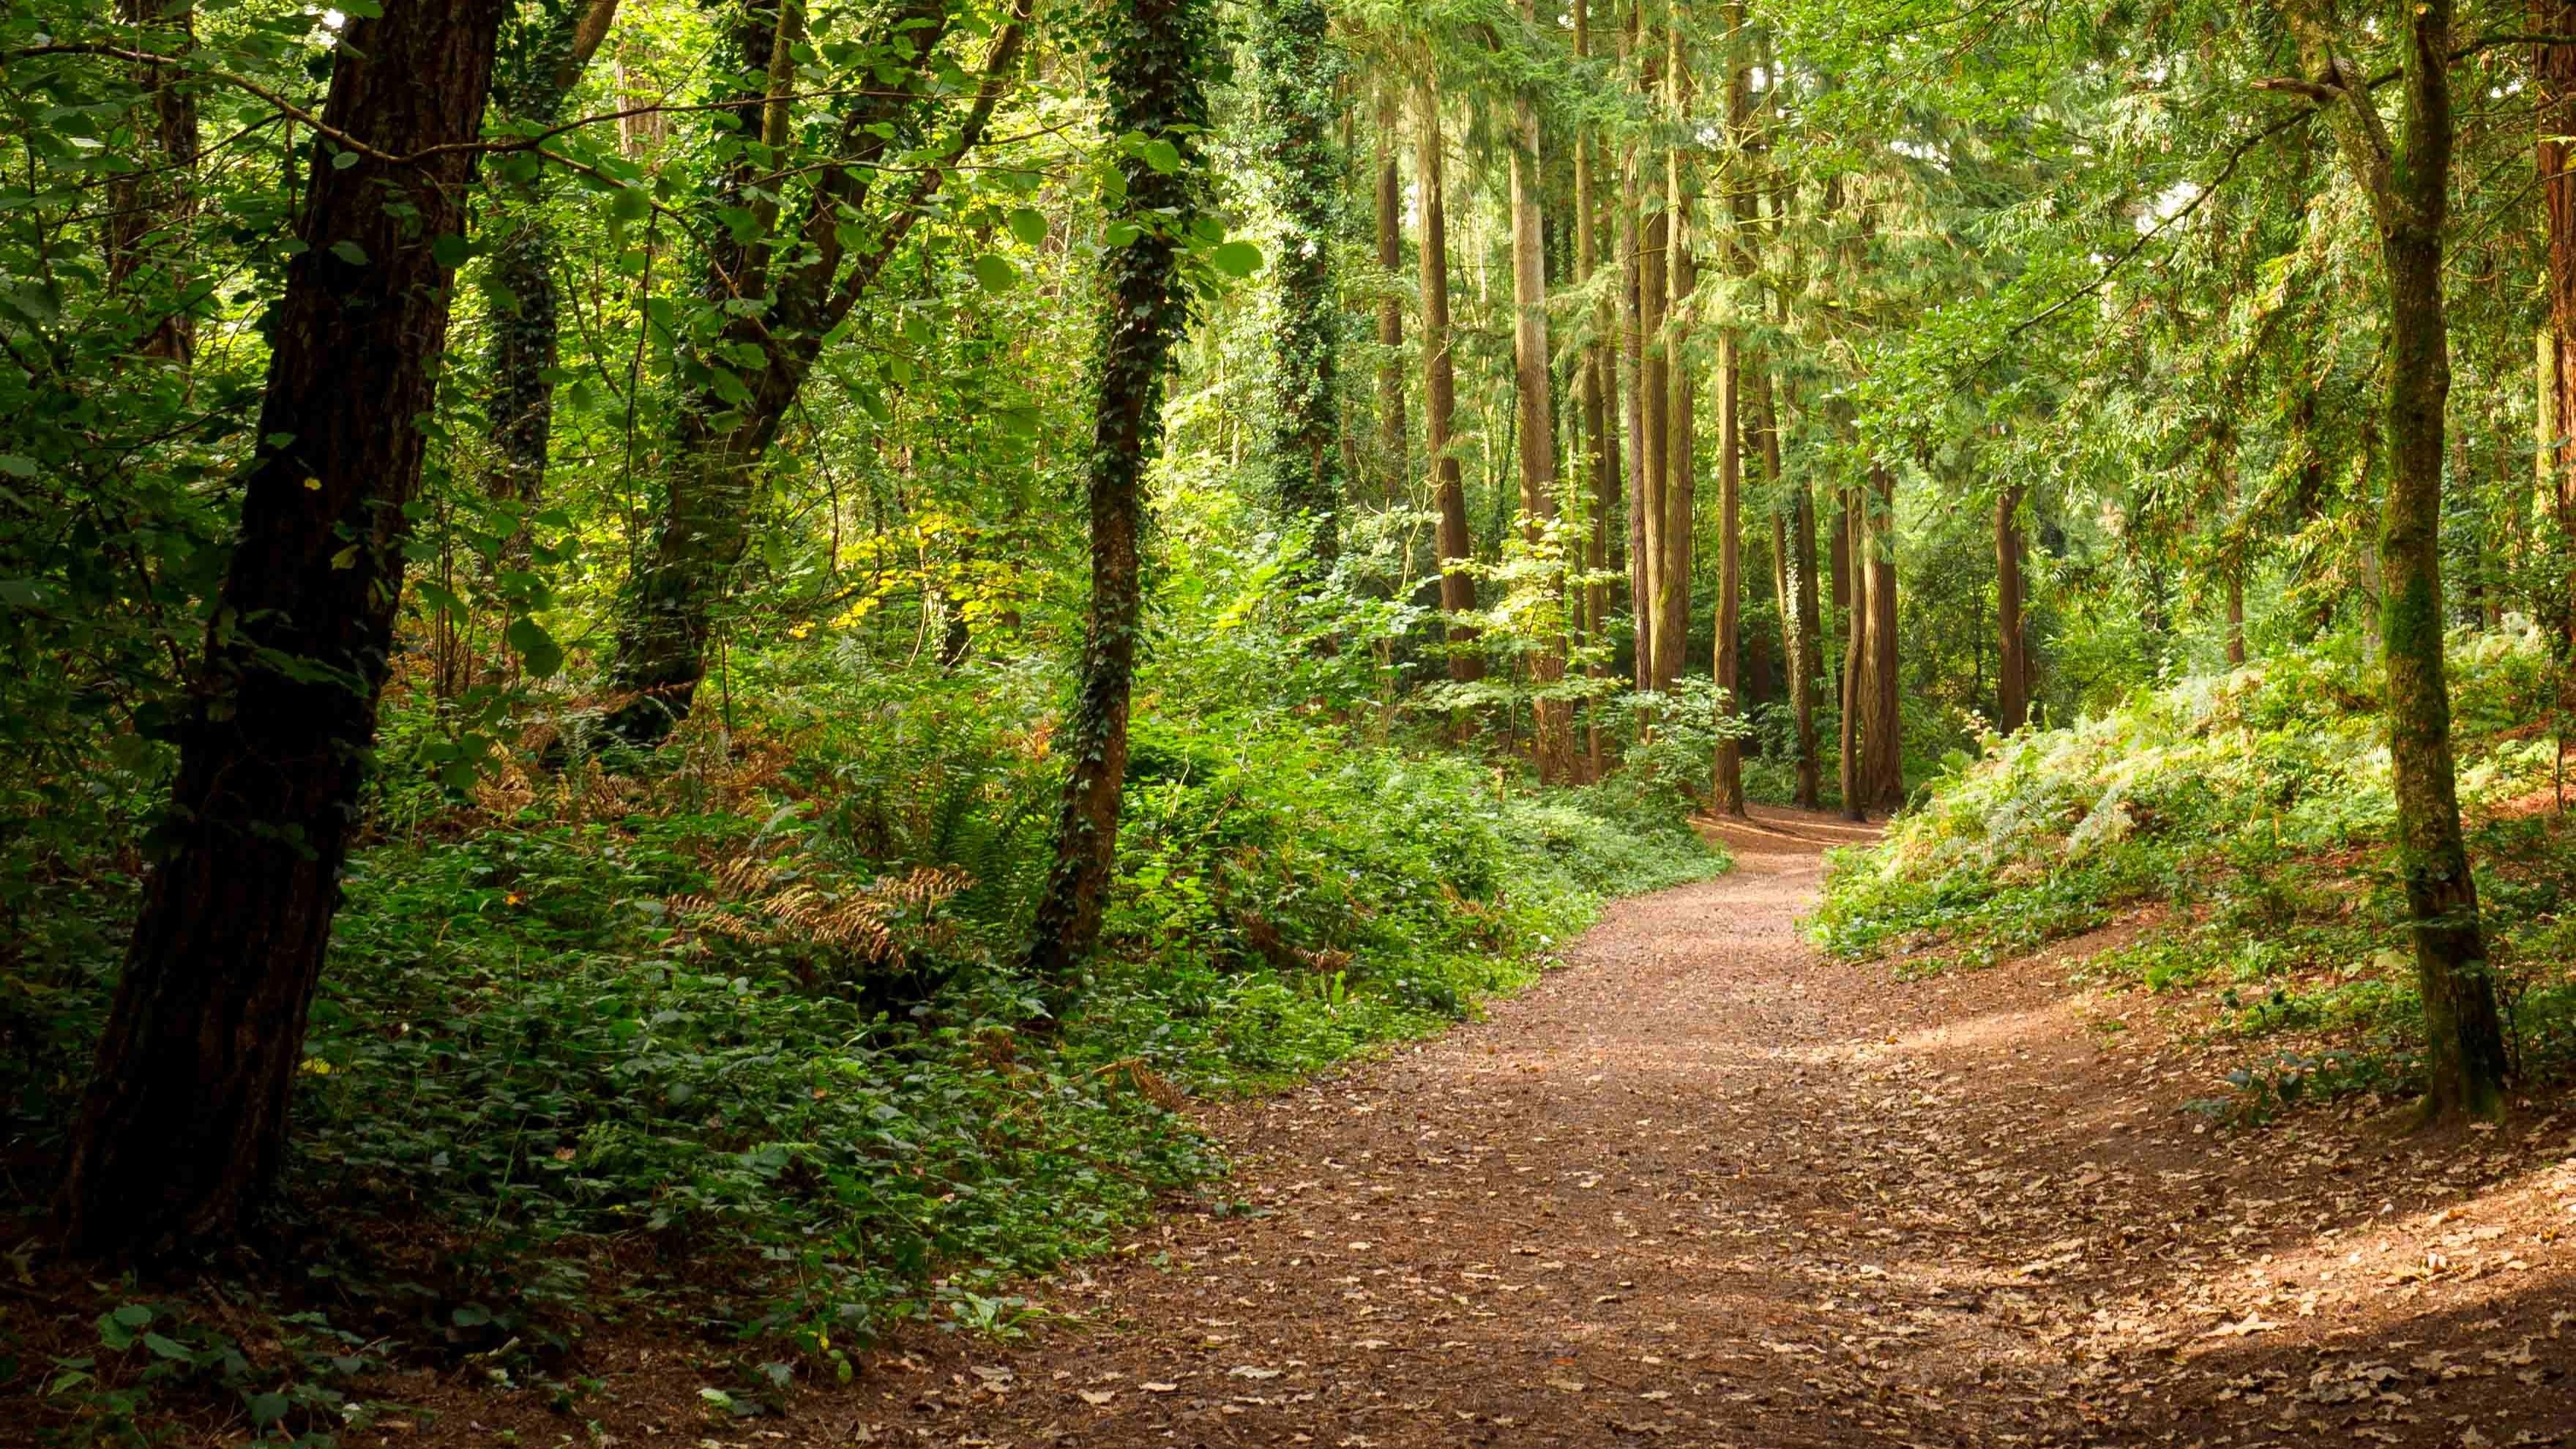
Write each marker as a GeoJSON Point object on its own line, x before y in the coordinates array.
{"type": "Point", "coordinates": [1706, 1188]}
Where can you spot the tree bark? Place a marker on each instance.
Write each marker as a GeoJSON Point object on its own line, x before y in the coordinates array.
{"type": "Point", "coordinates": [1882, 743]}
{"type": "Point", "coordinates": [1681, 469]}
{"type": "Point", "coordinates": [2554, 71]}
{"type": "Point", "coordinates": [1596, 379]}
{"type": "Point", "coordinates": [1655, 389]}
{"type": "Point", "coordinates": [184, 1121]}
{"type": "Point", "coordinates": [1644, 498]}
{"type": "Point", "coordinates": [1804, 637]}
{"type": "Point", "coordinates": [1727, 776]}
{"type": "Point", "coordinates": [1391, 434]}
{"type": "Point", "coordinates": [2012, 666]}
{"type": "Point", "coordinates": [1851, 537]}
{"type": "Point", "coordinates": [781, 314]}
{"type": "Point", "coordinates": [1152, 54]}
{"type": "Point", "coordinates": [1440, 391]}
{"type": "Point", "coordinates": [148, 208]}
{"type": "Point", "coordinates": [539, 64]}
{"type": "Point", "coordinates": [1536, 422]}
{"type": "Point", "coordinates": [1297, 70]}
{"type": "Point", "coordinates": [2408, 181]}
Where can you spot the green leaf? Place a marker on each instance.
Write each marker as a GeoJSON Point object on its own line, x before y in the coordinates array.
{"type": "Point", "coordinates": [472, 1315]}
{"type": "Point", "coordinates": [537, 649]}
{"type": "Point", "coordinates": [1237, 258]}
{"type": "Point", "coordinates": [1163, 156]}
{"type": "Point", "coordinates": [133, 1315]}
{"type": "Point", "coordinates": [343, 160]}
{"type": "Point", "coordinates": [995, 274]}
{"type": "Point", "coordinates": [16, 466]}
{"type": "Point", "coordinates": [267, 1409]}
{"type": "Point", "coordinates": [349, 251]}
{"type": "Point", "coordinates": [163, 1346]}
{"type": "Point", "coordinates": [450, 249]}
{"type": "Point", "coordinates": [1029, 225]}
{"type": "Point", "coordinates": [629, 203]}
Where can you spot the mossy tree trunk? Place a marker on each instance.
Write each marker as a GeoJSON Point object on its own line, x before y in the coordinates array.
{"type": "Point", "coordinates": [2012, 664]}
{"type": "Point", "coordinates": [1535, 422]}
{"type": "Point", "coordinates": [1455, 542]}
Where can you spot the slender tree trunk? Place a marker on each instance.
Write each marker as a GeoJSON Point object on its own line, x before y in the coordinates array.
{"type": "Point", "coordinates": [1297, 70]}
{"type": "Point", "coordinates": [1391, 439]}
{"type": "Point", "coordinates": [2554, 69]}
{"type": "Point", "coordinates": [149, 208]}
{"type": "Point", "coordinates": [1655, 387]}
{"type": "Point", "coordinates": [2012, 667]}
{"type": "Point", "coordinates": [2408, 180]}
{"type": "Point", "coordinates": [1645, 498]}
{"type": "Point", "coordinates": [541, 60]}
{"type": "Point", "coordinates": [1152, 55]}
{"type": "Point", "coordinates": [1596, 379]}
{"type": "Point", "coordinates": [1727, 777]}
{"type": "Point", "coordinates": [1440, 391]}
{"type": "Point", "coordinates": [1681, 468]}
{"type": "Point", "coordinates": [181, 1130]}
{"type": "Point", "coordinates": [1799, 625]}
{"type": "Point", "coordinates": [1882, 743]}
{"type": "Point", "coordinates": [1536, 422]}
{"type": "Point", "coordinates": [1852, 533]}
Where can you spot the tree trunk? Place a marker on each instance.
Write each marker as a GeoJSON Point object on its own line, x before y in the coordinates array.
{"type": "Point", "coordinates": [781, 313]}
{"type": "Point", "coordinates": [184, 1121]}
{"type": "Point", "coordinates": [2408, 180]}
{"type": "Point", "coordinates": [1655, 388]}
{"type": "Point", "coordinates": [1297, 73]}
{"type": "Point", "coordinates": [1596, 378]}
{"type": "Point", "coordinates": [1440, 391]}
{"type": "Point", "coordinates": [2012, 666]}
{"type": "Point", "coordinates": [1882, 744]}
{"type": "Point", "coordinates": [2554, 69]}
{"type": "Point", "coordinates": [538, 66]}
{"type": "Point", "coordinates": [1152, 54]}
{"type": "Point", "coordinates": [1727, 776]}
{"type": "Point", "coordinates": [1645, 498]}
{"type": "Point", "coordinates": [1799, 624]}
{"type": "Point", "coordinates": [1681, 469]}
{"type": "Point", "coordinates": [1851, 533]}
{"type": "Point", "coordinates": [1391, 439]}
{"type": "Point", "coordinates": [1536, 422]}
{"type": "Point", "coordinates": [148, 208]}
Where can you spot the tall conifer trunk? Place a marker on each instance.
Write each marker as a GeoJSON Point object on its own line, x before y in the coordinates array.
{"type": "Point", "coordinates": [1882, 744]}
{"type": "Point", "coordinates": [1851, 538]}
{"type": "Point", "coordinates": [147, 209]}
{"type": "Point", "coordinates": [1456, 544]}
{"type": "Point", "coordinates": [2554, 68]}
{"type": "Point", "coordinates": [182, 1127]}
{"type": "Point", "coordinates": [1681, 421]}
{"type": "Point", "coordinates": [1596, 379]}
{"type": "Point", "coordinates": [1536, 418]}
{"type": "Point", "coordinates": [2012, 666]}
{"type": "Point", "coordinates": [1644, 498]}
{"type": "Point", "coordinates": [1391, 434]}
{"type": "Point", "coordinates": [1152, 54]}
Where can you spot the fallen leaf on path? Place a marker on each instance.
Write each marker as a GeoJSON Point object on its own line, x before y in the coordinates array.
{"type": "Point", "coordinates": [1097, 1396]}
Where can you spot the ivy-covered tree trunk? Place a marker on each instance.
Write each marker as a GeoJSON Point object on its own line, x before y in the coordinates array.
{"type": "Point", "coordinates": [2408, 180]}
{"type": "Point", "coordinates": [781, 290]}
{"type": "Point", "coordinates": [1440, 391]}
{"type": "Point", "coordinates": [2012, 665]}
{"type": "Point", "coordinates": [1536, 422]}
{"type": "Point", "coordinates": [1801, 637]}
{"type": "Point", "coordinates": [184, 1120]}
{"type": "Point", "coordinates": [1297, 75]}
{"type": "Point", "coordinates": [1152, 54]}
{"type": "Point", "coordinates": [542, 58]}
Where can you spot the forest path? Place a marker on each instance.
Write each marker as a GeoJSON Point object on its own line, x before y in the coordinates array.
{"type": "Point", "coordinates": [1704, 1187]}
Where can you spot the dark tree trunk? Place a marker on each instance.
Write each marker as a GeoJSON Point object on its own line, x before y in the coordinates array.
{"type": "Point", "coordinates": [1655, 390]}
{"type": "Point", "coordinates": [722, 432]}
{"type": "Point", "coordinates": [1727, 776]}
{"type": "Point", "coordinates": [148, 208]}
{"type": "Point", "coordinates": [1440, 392]}
{"type": "Point", "coordinates": [1644, 496]}
{"type": "Point", "coordinates": [1152, 56]}
{"type": "Point", "coordinates": [2012, 666]}
{"type": "Point", "coordinates": [540, 62]}
{"type": "Point", "coordinates": [184, 1122]}
{"type": "Point", "coordinates": [1596, 380]}
{"type": "Point", "coordinates": [1882, 743]}
{"type": "Point", "coordinates": [1391, 440]}
{"type": "Point", "coordinates": [1681, 466]}
{"type": "Point", "coordinates": [1297, 70]}
{"type": "Point", "coordinates": [1801, 635]}
{"type": "Point", "coordinates": [2408, 180]}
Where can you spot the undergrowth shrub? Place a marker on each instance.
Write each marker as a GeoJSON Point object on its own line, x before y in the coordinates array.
{"type": "Point", "coordinates": [2254, 809]}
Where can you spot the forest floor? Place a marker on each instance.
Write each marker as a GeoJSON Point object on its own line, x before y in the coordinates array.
{"type": "Point", "coordinates": [1705, 1187]}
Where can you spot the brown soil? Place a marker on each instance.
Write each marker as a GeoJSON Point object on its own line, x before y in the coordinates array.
{"type": "Point", "coordinates": [1706, 1188]}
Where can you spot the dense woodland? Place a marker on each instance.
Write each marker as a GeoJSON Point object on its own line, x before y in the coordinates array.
{"type": "Point", "coordinates": [692, 659]}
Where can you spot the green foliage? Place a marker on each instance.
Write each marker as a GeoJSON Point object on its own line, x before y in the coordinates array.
{"type": "Point", "coordinates": [2248, 815]}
